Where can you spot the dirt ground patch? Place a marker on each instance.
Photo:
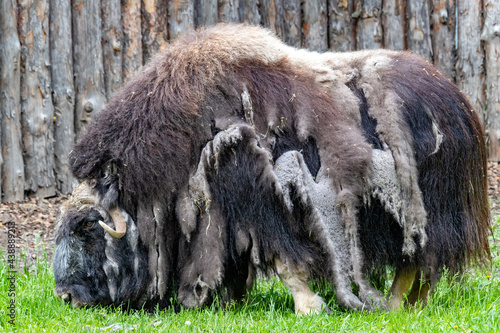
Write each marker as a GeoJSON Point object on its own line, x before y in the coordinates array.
{"type": "Point", "coordinates": [34, 224]}
{"type": "Point", "coordinates": [35, 219]}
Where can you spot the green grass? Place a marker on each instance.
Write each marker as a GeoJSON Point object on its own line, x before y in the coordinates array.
{"type": "Point", "coordinates": [471, 304]}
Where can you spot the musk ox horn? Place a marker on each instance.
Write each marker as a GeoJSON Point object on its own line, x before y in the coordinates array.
{"type": "Point", "coordinates": [119, 221]}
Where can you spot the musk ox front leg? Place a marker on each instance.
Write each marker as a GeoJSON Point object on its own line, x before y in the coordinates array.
{"type": "Point", "coordinates": [215, 254]}
{"type": "Point", "coordinates": [295, 279]}
{"type": "Point", "coordinates": [202, 254]}
{"type": "Point", "coordinates": [259, 225]}
{"type": "Point", "coordinates": [202, 257]}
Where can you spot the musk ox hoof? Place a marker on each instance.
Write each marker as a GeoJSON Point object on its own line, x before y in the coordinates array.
{"type": "Point", "coordinates": [310, 305]}
{"type": "Point", "coordinates": [349, 300]}
{"type": "Point", "coordinates": [373, 301]}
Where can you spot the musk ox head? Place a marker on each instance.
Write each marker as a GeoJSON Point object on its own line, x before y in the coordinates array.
{"type": "Point", "coordinates": [97, 260]}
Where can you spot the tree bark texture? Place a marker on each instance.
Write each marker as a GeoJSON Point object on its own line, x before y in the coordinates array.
{"type": "Point", "coordinates": [132, 38]}
{"type": "Point", "coordinates": [112, 36]}
{"type": "Point", "coordinates": [419, 32]}
{"type": "Point", "coordinates": [470, 55]}
{"type": "Point", "coordinates": [394, 24]}
{"type": "Point", "coordinates": [180, 17]}
{"type": "Point", "coordinates": [292, 34]}
{"type": "Point", "coordinates": [443, 33]}
{"type": "Point", "coordinates": [491, 37]}
{"type": "Point", "coordinates": [205, 13]}
{"type": "Point", "coordinates": [87, 61]}
{"type": "Point", "coordinates": [369, 34]}
{"type": "Point", "coordinates": [314, 26]}
{"type": "Point", "coordinates": [228, 11]}
{"type": "Point", "coordinates": [37, 111]}
{"type": "Point", "coordinates": [249, 11]}
{"type": "Point", "coordinates": [272, 16]}
{"type": "Point", "coordinates": [154, 27]}
{"type": "Point", "coordinates": [63, 92]}
{"type": "Point", "coordinates": [341, 25]}
{"type": "Point", "coordinates": [11, 160]}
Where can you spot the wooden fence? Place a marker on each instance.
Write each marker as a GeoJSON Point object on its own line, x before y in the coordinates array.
{"type": "Point", "coordinates": [61, 60]}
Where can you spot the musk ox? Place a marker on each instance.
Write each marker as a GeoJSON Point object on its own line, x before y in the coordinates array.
{"type": "Point", "coordinates": [232, 153]}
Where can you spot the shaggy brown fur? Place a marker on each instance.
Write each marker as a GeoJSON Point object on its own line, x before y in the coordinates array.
{"type": "Point", "coordinates": [339, 107]}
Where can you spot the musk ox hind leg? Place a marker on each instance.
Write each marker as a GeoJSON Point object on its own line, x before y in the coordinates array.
{"type": "Point", "coordinates": [420, 283]}
{"type": "Point", "coordinates": [440, 137]}
{"type": "Point", "coordinates": [420, 289]}
{"type": "Point", "coordinates": [402, 281]}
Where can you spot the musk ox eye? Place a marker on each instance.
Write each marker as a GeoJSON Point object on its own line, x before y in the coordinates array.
{"type": "Point", "coordinates": [90, 221]}
{"type": "Point", "coordinates": [89, 224]}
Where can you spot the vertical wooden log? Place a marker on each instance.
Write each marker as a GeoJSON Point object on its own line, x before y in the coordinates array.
{"type": "Point", "coordinates": [292, 34]}
{"type": "Point", "coordinates": [369, 35]}
{"type": "Point", "coordinates": [36, 102]}
{"type": "Point", "coordinates": [229, 10]}
{"type": "Point", "coordinates": [491, 37]}
{"type": "Point", "coordinates": [272, 16]}
{"type": "Point", "coordinates": [180, 17]}
{"type": "Point", "coordinates": [87, 61]}
{"type": "Point", "coordinates": [394, 24]}
{"type": "Point", "coordinates": [205, 12]}
{"type": "Point", "coordinates": [340, 25]}
{"type": "Point", "coordinates": [12, 168]}
{"type": "Point", "coordinates": [132, 38]}
{"type": "Point", "coordinates": [63, 93]}
{"type": "Point", "coordinates": [112, 36]}
{"type": "Point", "coordinates": [314, 27]}
{"type": "Point", "coordinates": [443, 36]}
{"type": "Point", "coordinates": [154, 27]}
{"type": "Point", "coordinates": [249, 11]}
{"type": "Point", "coordinates": [470, 54]}
{"type": "Point", "coordinates": [419, 32]}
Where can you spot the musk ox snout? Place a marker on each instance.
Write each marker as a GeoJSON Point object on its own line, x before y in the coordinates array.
{"type": "Point", "coordinates": [67, 297]}
{"type": "Point", "coordinates": [79, 275]}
